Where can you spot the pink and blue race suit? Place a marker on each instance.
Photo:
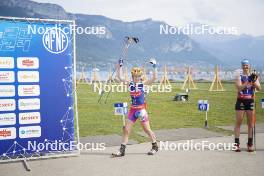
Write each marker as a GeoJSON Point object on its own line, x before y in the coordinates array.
{"type": "Point", "coordinates": [248, 92]}
{"type": "Point", "coordinates": [245, 97]}
{"type": "Point", "coordinates": [138, 104]}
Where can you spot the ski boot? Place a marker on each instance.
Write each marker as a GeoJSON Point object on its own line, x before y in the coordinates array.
{"type": "Point", "coordinates": [120, 152]}
{"type": "Point", "coordinates": [154, 149]}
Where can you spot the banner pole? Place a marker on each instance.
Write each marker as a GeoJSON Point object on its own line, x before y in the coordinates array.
{"type": "Point", "coordinates": [206, 122]}
{"type": "Point", "coordinates": [26, 165]}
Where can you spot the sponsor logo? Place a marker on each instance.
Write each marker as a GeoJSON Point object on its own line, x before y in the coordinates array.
{"type": "Point", "coordinates": [29, 118]}
{"type": "Point", "coordinates": [7, 133]}
{"type": "Point", "coordinates": [29, 104]}
{"type": "Point", "coordinates": [28, 62]}
{"type": "Point", "coordinates": [7, 77]}
{"type": "Point", "coordinates": [7, 104]}
{"type": "Point", "coordinates": [55, 40]}
{"type": "Point", "coordinates": [6, 62]}
{"type": "Point", "coordinates": [30, 132]}
{"type": "Point", "coordinates": [28, 90]}
{"type": "Point", "coordinates": [28, 76]}
{"type": "Point", "coordinates": [7, 91]}
{"type": "Point", "coordinates": [8, 119]}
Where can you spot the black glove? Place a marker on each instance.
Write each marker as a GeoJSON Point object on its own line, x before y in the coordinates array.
{"type": "Point", "coordinates": [136, 40]}
{"type": "Point", "coordinates": [253, 77]}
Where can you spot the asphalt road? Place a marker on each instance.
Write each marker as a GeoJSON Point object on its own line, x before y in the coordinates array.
{"type": "Point", "coordinates": [137, 163]}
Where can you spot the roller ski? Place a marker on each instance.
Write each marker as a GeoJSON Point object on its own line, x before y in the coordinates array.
{"type": "Point", "coordinates": [120, 152]}
{"type": "Point", "coordinates": [154, 149]}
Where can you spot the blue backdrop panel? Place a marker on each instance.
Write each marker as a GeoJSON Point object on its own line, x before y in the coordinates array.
{"type": "Point", "coordinates": [51, 45]}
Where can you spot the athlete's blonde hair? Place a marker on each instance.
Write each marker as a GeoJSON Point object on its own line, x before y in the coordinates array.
{"type": "Point", "coordinates": [136, 71]}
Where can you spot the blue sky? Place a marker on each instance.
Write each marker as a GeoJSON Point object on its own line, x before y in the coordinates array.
{"type": "Point", "coordinates": [246, 15]}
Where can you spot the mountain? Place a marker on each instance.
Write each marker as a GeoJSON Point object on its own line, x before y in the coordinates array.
{"type": "Point", "coordinates": [232, 49]}
{"type": "Point", "coordinates": [166, 48]}
{"type": "Point", "coordinates": [104, 48]}
{"type": "Point", "coordinates": [26, 8]}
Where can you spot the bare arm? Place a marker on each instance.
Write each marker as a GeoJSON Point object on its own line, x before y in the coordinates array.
{"type": "Point", "coordinates": [239, 84]}
{"type": "Point", "coordinates": [118, 69]}
{"type": "Point", "coordinates": [153, 79]}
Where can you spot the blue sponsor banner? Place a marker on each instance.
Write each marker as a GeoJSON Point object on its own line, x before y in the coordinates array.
{"type": "Point", "coordinates": [36, 90]}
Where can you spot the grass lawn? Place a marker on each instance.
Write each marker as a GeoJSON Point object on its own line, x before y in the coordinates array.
{"type": "Point", "coordinates": [99, 119]}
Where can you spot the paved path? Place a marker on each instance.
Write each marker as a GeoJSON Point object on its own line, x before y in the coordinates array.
{"type": "Point", "coordinates": [109, 140]}
{"type": "Point", "coordinates": [137, 163]}
{"type": "Point", "coordinates": [244, 128]}
{"type": "Point", "coordinates": [183, 134]}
